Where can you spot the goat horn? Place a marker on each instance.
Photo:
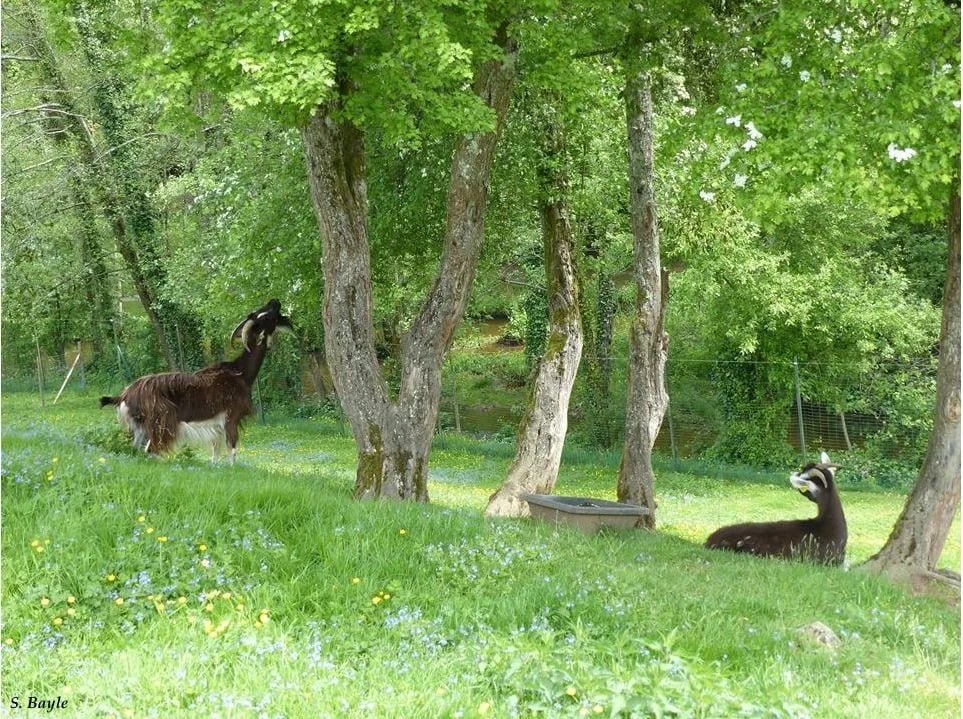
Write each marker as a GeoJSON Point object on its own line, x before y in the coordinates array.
{"type": "Point", "coordinates": [820, 475]}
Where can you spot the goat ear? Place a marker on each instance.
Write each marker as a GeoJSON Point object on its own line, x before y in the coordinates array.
{"type": "Point", "coordinates": [824, 458]}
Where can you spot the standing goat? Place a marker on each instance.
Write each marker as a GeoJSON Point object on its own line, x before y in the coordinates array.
{"type": "Point", "coordinates": [162, 411]}
{"type": "Point", "coordinates": [822, 539]}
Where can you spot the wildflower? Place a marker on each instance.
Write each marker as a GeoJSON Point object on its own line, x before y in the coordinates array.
{"type": "Point", "coordinates": [786, 61]}
{"type": "Point", "coordinates": [46, 541]}
{"type": "Point", "coordinates": [741, 87]}
{"type": "Point", "coordinates": [571, 691]}
{"type": "Point", "coordinates": [162, 538]}
{"type": "Point", "coordinates": [263, 617]}
{"type": "Point", "coordinates": [898, 154]}
{"type": "Point", "coordinates": [484, 707]}
{"type": "Point", "coordinates": [205, 563]}
{"type": "Point", "coordinates": [55, 460]}
{"type": "Point", "coordinates": [707, 196]}
{"type": "Point", "coordinates": [45, 602]}
{"type": "Point", "coordinates": [735, 120]}
{"type": "Point", "coordinates": [240, 607]}
{"type": "Point", "coordinates": [57, 621]}
{"type": "Point", "coordinates": [356, 580]}
{"type": "Point", "coordinates": [71, 611]}
{"type": "Point", "coordinates": [39, 549]}
{"type": "Point", "coordinates": [376, 600]}
{"type": "Point", "coordinates": [598, 709]}
{"type": "Point", "coordinates": [71, 599]}
{"type": "Point", "coordinates": [182, 600]}
{"type": "Point", "coordinates": [202, 547]}
{"type": "Point", "coordinates": [804, 75]}
{"type": "Point", "coordinates": [149, 530]}
{"type": "Point", "coordinates": [111, 577]}
{"type": "Point", "coordinates": [102, 460]}
{"type": "Point", "coordinates": [754, 134]}
{"type": "Point", "coordinates": [740, 180]}
{"type": "Point", "coordinates": [142, 518]}
{"type": "Point", "coordinates": [8, 641]}
{"type": "Point", "coordinates": [35, 543]}
{"type": "Point", "coordinates": [119, 601]}
{"type": "Point", "coordinates": [402, 532]}
{"type": "Point", "coordinates": [208, 607]}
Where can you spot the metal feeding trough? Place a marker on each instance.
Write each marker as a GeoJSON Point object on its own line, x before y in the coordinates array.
{"type": "Point", "coordinates": [586, 514]}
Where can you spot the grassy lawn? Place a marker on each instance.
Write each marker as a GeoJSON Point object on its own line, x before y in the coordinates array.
{"type": "Point", "coordinates": [136, 587]}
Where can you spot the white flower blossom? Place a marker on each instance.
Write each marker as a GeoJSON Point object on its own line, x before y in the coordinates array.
{"type": "Point", "coordinates": [786, 60]}
{"type": "Point", "coordinates": [686, 110]}
{"type": "Point", "coordinates": [748, 145]}
{"type": "Point", "coordinates": [804, 75]}
{"type": "Point", "coordinates": [836, 35]}
{"type": "Point", "coordinates": [741, 87]}
{"type": "Point", "coordinates": [284, 35]}
{"type": "Point", "coordinates": [740, 180]}
{"type": "Point", "coordinates": [898, 154]}
{"type": "Point", "coordinates": [956, 104]}
{"type": "Point", "coordinates": [707, 196]}
{"type": "Point", "coordinates": [754, 134]}
{"type": "Point", "coordinates": [734, 120]}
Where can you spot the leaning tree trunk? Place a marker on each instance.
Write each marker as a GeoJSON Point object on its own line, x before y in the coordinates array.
{"type": "Point", "coordinates": [393, 437]}
{"type": "Point", "coordinates": [541, 434]}
{"type": "Point", "coordinates": [913, 548]}
{"type": "Point", "coordinates": [646, 396]}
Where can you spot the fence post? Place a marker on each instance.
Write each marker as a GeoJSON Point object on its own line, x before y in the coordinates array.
{"type": "Point", "coordinates": [799, 412]}
{"type": "Point", "coordinates": [675, 451]}
{"type": "Point", "coordinates": [39, 371]}
{"type": "Point", "coordinates": [260, 407]}
{"type": "Point", "coordinates": [454, 399]}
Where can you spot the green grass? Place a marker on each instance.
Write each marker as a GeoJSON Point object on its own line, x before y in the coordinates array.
{"type": "Point", "coordinates": [275, 594]}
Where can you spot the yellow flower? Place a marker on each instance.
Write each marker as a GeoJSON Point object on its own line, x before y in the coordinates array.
{"type": "Point", "coordinates": [356, 580]}
{"type": "Point", "coordinates": [386, 596]}
{"type": "Point", "coordinates": [39, 549]}
{"type": "Point", "coordinates": [202, 547]}
{"type": "Point", "coordinates": [263, 618]}
{"type": "Point", "coordinates": [240, 607]}
{"type": "Point", "coordinates": [55, 460]}
{"type": "Point", "coordinates": [142, 518]}
{"type": "Point", "coordinates": [149, 530]}
{"type": "Point", "coordinates": [8, 641]}
{"type": "Point", "coordinates": [102, 460]}
{"type": "Point", "coordinates": [45, 602]}
{"type": "Point", "coordinates": [71, 599]}
{"type": "Point", "coordinates": [71, 611]}
{"type": "Point", "coordinates": [46, 541]}
{"type": "Point", "coordinates": [58, 621]}
{"type": "Point", "coordinates": [484, 707]}
{"type": "Point", "coordinates": [403, 532]}
{"type": "Point", "coordinates": [571, 691]}
{"type": "Point", "coordinates": [182, 600]}
{"type": "Point", "coordinates": [35, 543]}
{"type": "Point", "coordinates": [208, 607]}
{"type": "Point", "coordinates": [111, 577]}
{"type": "Point", "coordinates": [598, 709]}
{"type": "Point", "coordinates": [162, 538]}
{"type": "Point", "coordinates": [375, 600]}
{"type": "Point", "coordinates": [119, 601]}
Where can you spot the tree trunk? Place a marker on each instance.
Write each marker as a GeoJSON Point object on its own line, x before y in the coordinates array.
{"type": "Point", "coordinates": [103, 185]}
{"type": "Point", "coordinates": [541, 434]}
{"type": "Point", "coordinates": [646, 396]}
{"type": "Point", "coordinates": [393, 437]}
{"type": "Point", "coordinates": [913, 548]}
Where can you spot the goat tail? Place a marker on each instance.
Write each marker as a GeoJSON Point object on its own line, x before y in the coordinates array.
{"type": "Point", "coordinates": [105, 400]}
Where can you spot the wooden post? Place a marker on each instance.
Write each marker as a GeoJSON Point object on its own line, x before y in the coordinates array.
{"type": "Point", "coordinates": [39, 371]}
{"type": "Point", "coordinates": [842, 421]}
{"type": "Point", "coordinates": [67, 378]}
{"type": "Point", "coordinates": [799, 412]}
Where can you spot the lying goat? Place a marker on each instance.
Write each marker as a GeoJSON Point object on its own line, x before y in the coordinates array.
{"type": "Point", "coordinates": [162, 411]}
{"type": "Point", "coordinates": [822, 539]}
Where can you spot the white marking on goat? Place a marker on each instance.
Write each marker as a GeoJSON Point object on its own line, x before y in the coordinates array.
{"type": "Point", "coordinates": [804, 485]}
{"type": "Point", "coordinates": [204, 433]}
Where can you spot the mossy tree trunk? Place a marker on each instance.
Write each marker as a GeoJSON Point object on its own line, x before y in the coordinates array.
{"type": "Point", "coordinates": [646, 396]}
{"type": "Point", "coordinates": [913, 549]}
{"type": "Point", "coordinates": [541, 434]}
{"type": "Point", "coordinates": [393, 436]}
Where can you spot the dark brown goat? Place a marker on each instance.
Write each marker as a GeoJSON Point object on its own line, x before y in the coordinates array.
{"type": "Point", "coordinates": [821, 539]}
{"type": "Point", "coordinates": [164, 410]}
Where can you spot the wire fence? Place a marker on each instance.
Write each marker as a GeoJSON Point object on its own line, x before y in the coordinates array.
{"type": "Point", "coordinates": [735, 411]}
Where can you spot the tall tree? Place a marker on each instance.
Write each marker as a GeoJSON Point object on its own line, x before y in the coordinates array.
{"type": "Point", "coordinates": [914, 546]}
{"type": "Point", "coordinates": [541, 433]}
{"type": "Point", "coordinates": [646, 399]}
{"type": "Point", "coordinates": [350, 78]}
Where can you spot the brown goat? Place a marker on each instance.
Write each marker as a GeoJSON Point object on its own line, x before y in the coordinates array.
{"type": "Point", "coordinates": [162, 411]}
{"type": "Point", "coordinates": [821, 539]}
